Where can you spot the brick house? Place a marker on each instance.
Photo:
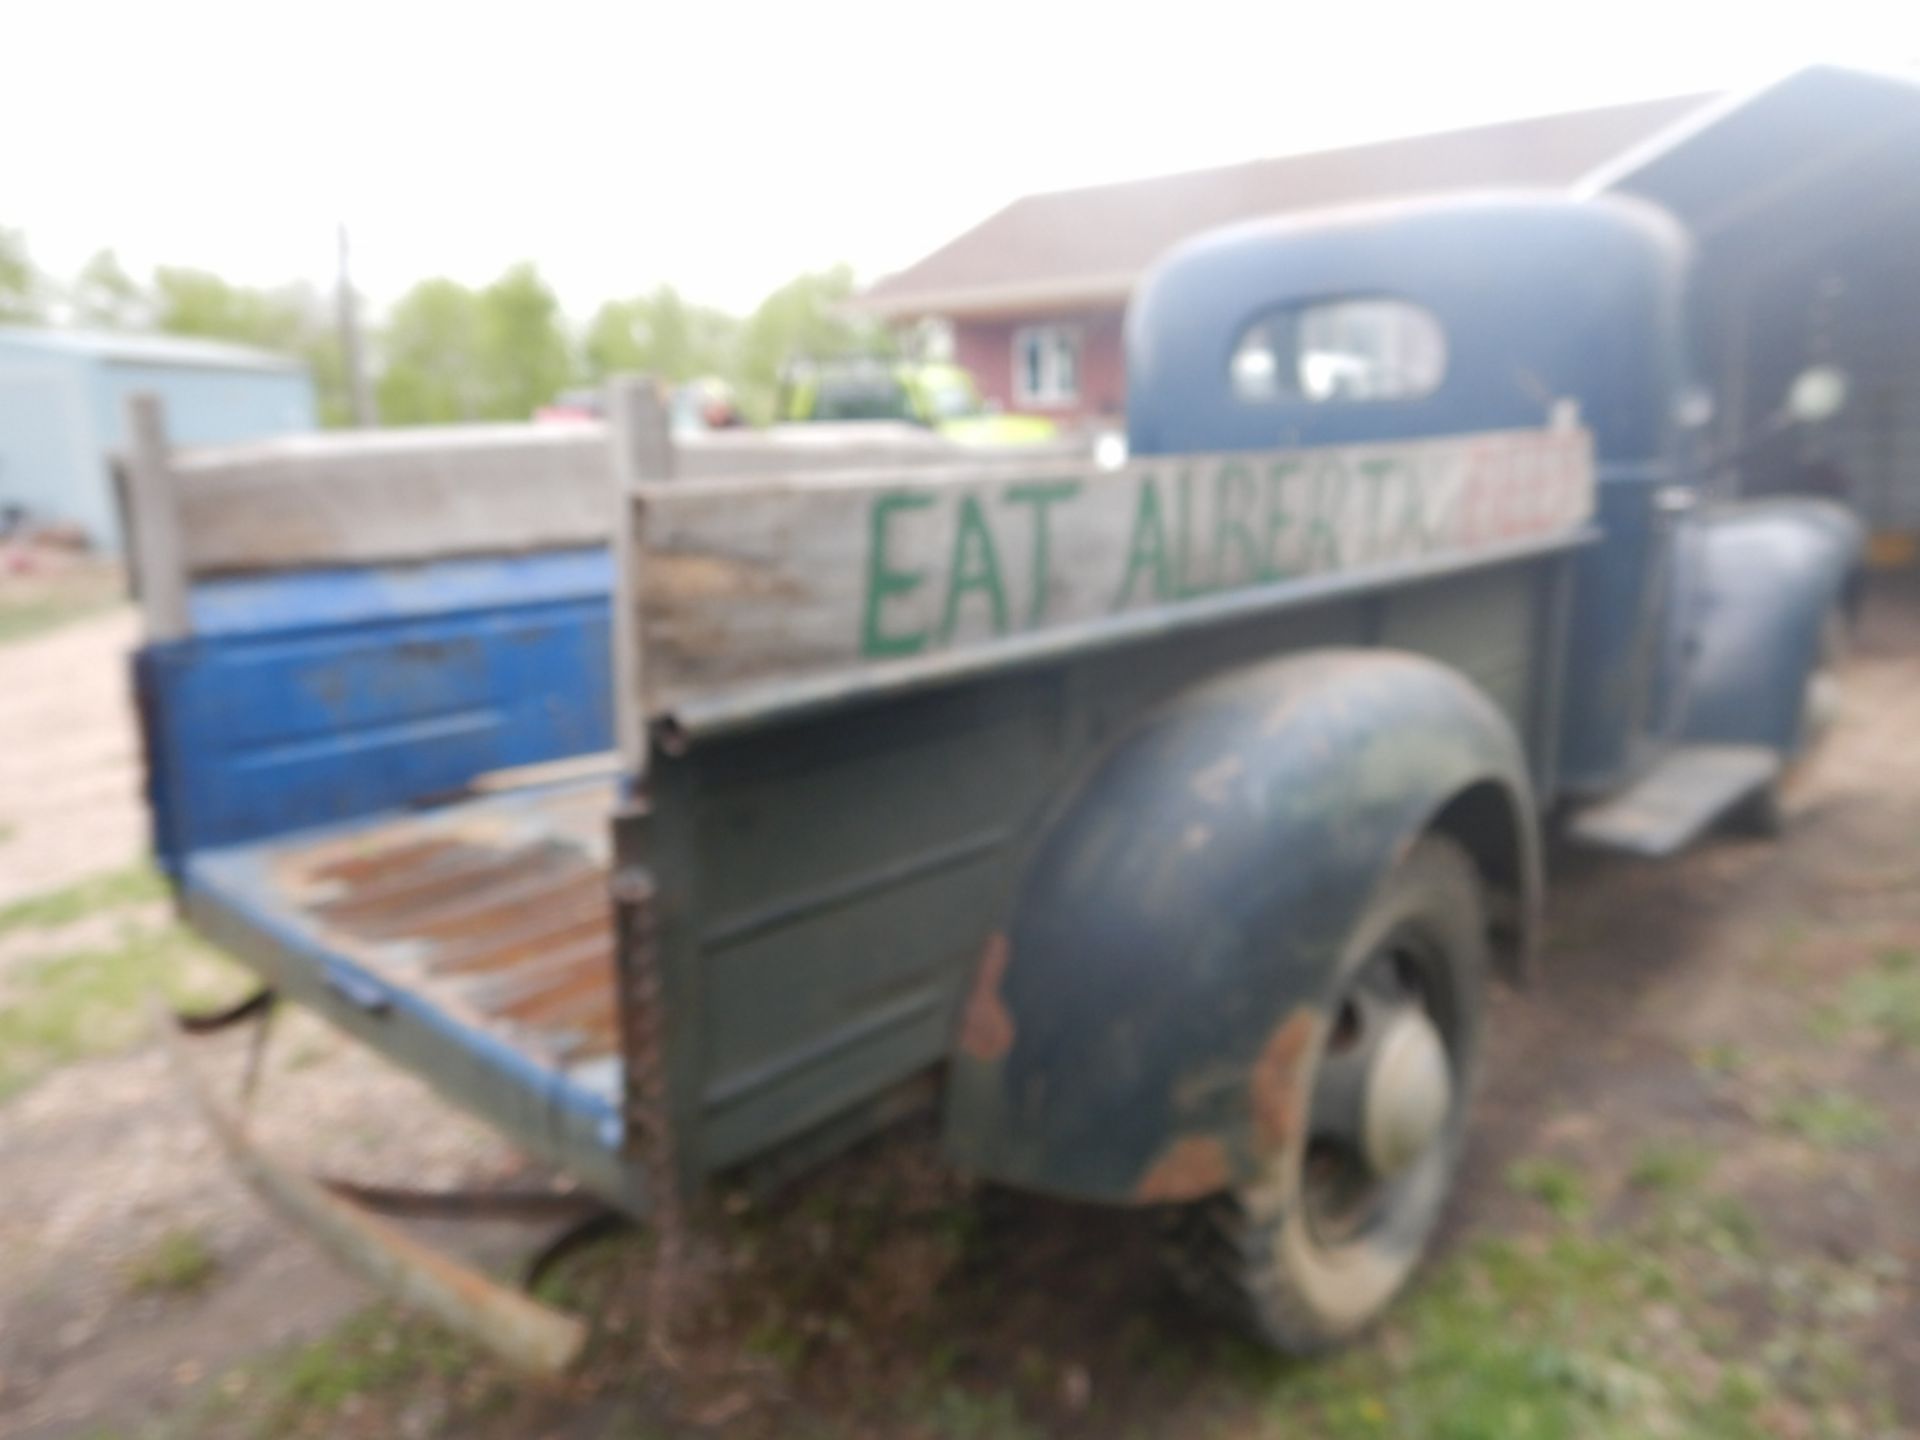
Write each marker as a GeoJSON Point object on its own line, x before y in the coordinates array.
{"type": "Point", "coordinates": [1036, 293]}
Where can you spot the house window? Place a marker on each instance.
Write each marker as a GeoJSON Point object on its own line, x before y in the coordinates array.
{"type": "Point", "coordinates": [1373, 349]}
{"type": "Point", "coordinates": [1046, 365]}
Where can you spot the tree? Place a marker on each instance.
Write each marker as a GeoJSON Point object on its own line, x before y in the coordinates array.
{"type": "Point", "coordinates": [318, 343]}
{"type": "Point", "coordinates": [22, 301]}
{"type": "Point", "coordinates": [663, 335]}
{"type": "Point", "coordinates": [198, 302]}
{"type": "Point", "coordinates": [456, 354]}
{"type": "Point", "coordinates": [525, 356]}
{"type": "Point", "coordinates": [432, 370]}
{"type": "Point", "coordinates": [290, 320]}
{"type": "Point", "coordinates": [804, 317]}
{"type": "Point", "coordinates": [105, 295]}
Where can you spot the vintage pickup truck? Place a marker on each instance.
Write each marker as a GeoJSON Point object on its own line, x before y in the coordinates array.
{"type": "Point", "coordinates": [687, 808]}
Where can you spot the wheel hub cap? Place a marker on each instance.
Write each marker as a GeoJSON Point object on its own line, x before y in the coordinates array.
{"type": "Point", "coordinates": [1409, 1093]}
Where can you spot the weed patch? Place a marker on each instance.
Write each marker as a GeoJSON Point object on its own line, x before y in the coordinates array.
{"type": "Point", "coordinates": [66, 1007]}
{"type": "Point", "coordinates": [114, 890]}
{"type": "Point", "coordinates": [378, 1353]}
{"type": "Point", "coordinates": [178, 1263]}
{"type": "Point", "coordinates": [1669, 1167]}
{"type": "Point", "coordinates": [1885, 1001]}
{"type": "Point", "coordinates": [1833, 1119]}
{"type": "Point", "coordinates": [1555, 1184]}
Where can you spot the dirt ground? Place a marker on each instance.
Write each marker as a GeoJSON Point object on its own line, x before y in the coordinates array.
{"type": "Point", "coordinates": [69, 763]}
{"type": "Point", "coordinates": [1691, 1204]}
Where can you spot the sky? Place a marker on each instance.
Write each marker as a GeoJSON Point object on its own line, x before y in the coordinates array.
{"type": "Point", "coordinates": [724, 148]}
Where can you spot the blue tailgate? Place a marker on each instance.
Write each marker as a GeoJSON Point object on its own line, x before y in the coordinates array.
{"type": "Point", "coordinates": [313, 751]}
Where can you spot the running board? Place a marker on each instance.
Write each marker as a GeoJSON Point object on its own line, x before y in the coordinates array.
{"type": "Point", "coordinates": [1674, 803]}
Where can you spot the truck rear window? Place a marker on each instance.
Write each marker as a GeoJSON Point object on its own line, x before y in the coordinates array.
{"type": "Point", "coordinates": [1359, 349]}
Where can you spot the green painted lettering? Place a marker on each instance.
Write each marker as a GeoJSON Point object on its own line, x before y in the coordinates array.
{"type": "Point", "coordinates": [1183, 585]}
{"type": "Point", "coordinates": [1322, 548]}
{"type": "Point", "coordinates": [1377, 472]}
{"type": "Point", "coordinates": [884, 581]}
{"type": "Point", "coordinates": [975, 567]}
{"type": "Point", "coordinates": [1415, 535]}
{"type": "Point", "coordinates": [1232, 510]}
{"type": "Point", "coordinates": [1040, 497]}
{"type": "Point", "coordinates": [1147, 549]}
{"type": "Point", "coordinates": [1279, 519]}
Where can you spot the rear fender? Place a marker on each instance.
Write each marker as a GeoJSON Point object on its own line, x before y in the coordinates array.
{"type": "Point", "coordinates": [1773, 573]}
{"type": "Point", "coordinates": [1137, 1030]}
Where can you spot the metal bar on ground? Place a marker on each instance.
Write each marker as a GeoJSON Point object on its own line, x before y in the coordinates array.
{"type": "Point", "coordinates": [522, 1331]}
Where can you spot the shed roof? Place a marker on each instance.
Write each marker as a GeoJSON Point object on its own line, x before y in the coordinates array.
{"type": "Point", "coordinates": [1089, 246]}
{"type": "Point", "coordinates": [1745, 152]}
{"type": "Point", "coordinates": [182, 351]}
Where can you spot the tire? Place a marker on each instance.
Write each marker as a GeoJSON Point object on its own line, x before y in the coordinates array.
{"type": "Point", "coordinates": [1298, 1274]}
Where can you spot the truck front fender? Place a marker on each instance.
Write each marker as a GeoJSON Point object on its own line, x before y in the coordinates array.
{"type": "Point", "coordinates": [1136, 1030]}
{"type": "Point", "coordinates": [1773, 572]}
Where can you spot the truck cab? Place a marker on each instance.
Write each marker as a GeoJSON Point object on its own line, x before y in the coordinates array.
{"type": "Point", "coordinates": [1697, 627]}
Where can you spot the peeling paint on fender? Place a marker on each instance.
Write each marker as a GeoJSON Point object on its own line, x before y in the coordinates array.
{"type": "Point", "coordinates": [986, 1029]}
{"type": "Point", "coordinates": [1192, 1167]}
{"type": "Point", "coordinates": [1273, 1086]}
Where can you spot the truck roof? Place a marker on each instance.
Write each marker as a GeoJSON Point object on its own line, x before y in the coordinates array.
{"type": "Point", "coordinates": [1535, 297]}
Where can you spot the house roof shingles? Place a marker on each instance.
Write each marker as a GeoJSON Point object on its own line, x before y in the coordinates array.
{"type": "Point", "coordinates": [1089, 245]}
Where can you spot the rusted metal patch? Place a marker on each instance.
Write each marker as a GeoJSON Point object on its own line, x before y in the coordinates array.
{"type": "Point", "coordinates": [650, 1129]}
{"type": "Point", "coordinates": [364, 862]}
{"type": "Point", "coordinates": [1193, 1167]}
{"type": "Point", "coordinates": [987, 1029]}
{"type": "Point", "coordinates": [497, 914]}
{"type": "Point", "coordinates": [1274, 1086]}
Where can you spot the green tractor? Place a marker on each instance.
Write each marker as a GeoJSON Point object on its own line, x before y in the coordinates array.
{"type": "Point", "coordinates": [938, 395]}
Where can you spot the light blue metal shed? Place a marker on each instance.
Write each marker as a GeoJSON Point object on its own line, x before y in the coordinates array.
{"type": "Point", "coordinates": [61, 402]}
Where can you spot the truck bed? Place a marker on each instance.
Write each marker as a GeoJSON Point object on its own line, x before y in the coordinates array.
{"type": "Point", "coordinates": [472, 942]}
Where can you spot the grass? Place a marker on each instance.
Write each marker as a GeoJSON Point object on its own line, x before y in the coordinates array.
{"type": "Point", "coordinates": [957, 1414]}
{"type": "Point", "coordinates": [1885, 1001]}
{"type": "Point", "coordinates": [1833, 1119]}
{"type": "Point", "coordinates": [1523, 1341]}
{"type": "Point", "coordinates": [114, 890]}
{"type": "Point", "coordinates": [36, 604]}
{"type": "Point", "coordinates": [178, 1263]}
{"type": "Point", "coordinates": [1603, 1336]}
{"type": "Point", "coordinates": [378, 1354]}
{"type": "Point", "coordinates": [1723, 1060]}
{"type": "Point", "coordinates": [1669, 1167]}
{"type": "Point", "coordinates": [1553, 1183]}
{"type": "Point", "coordinates": [26, 618]}
{"type": "Point", "coordinates": [359, 1379]}
{"type": "Point", "coordinates": [92, 1000]}
{"type": "Point", "coordinates": [1720, 1227]}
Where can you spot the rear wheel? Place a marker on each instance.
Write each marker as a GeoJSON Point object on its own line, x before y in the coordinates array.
{"type": "Point", "coordinates": [1319, 1245]}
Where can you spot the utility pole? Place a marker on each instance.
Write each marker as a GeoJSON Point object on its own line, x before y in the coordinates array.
{"type": "Point", "coordinates": [359, 396]}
